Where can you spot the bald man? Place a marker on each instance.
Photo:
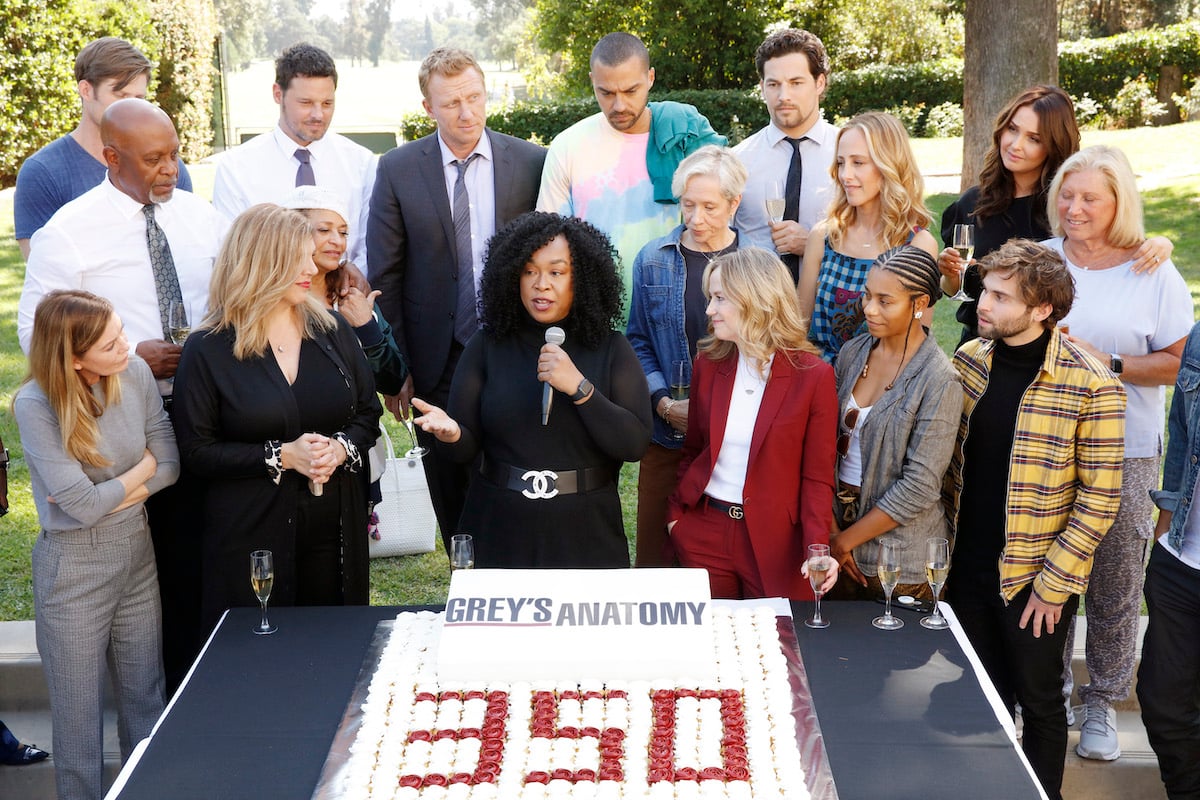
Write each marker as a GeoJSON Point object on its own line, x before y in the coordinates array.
{"type": "Point", "coordinates": [99, 241]}
{"type": "Point", "coordinates": [104, 242]}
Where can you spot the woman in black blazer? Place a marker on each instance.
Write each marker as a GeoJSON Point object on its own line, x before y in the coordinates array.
{"type": "Point", "coordinates": [275, 410]}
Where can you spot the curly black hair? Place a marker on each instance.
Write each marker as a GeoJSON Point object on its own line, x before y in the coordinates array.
{"type": "Point", "coordinates": [599, 291]}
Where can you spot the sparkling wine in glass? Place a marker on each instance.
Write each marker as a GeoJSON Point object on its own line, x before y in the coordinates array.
{"type": "Point", "coordinates": [262, 578]}
{"type": "Point", "coordinates": [416, 451]}
{"type": "Point", "coordinates": [462, 552]}
{"type": "Point", "coordinates": [819, 563]}
{"type": "Point", "coordinates": [889, 576]}
{"type": "Point", "coordinates": [680, 384]}
{"type": "Point", "coordinates": [775, 201]}
{"type": "Point", "coordinates": [964, 243]}
{"type": "Point", "coordinates": [177, 322]}
{"type": "Point", "coordinates": [937, 567]}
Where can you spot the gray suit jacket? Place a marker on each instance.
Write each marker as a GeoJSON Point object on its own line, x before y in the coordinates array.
{"type": "Point", "coordinates": [410, 241]}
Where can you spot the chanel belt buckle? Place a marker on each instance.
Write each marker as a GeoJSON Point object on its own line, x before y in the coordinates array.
{"type": "Point", "coordinates": [542, 484]}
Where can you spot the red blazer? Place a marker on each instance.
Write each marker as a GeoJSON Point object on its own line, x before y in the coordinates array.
{"type": "Point", "coordinates": [788, 493]}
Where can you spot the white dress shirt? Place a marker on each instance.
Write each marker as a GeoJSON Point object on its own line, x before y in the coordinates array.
{"type": "Point", "coordinates": [263, 170]}
{"type": "Point", "coordinates": [97, 243]}
{"type": "Point", "coordinates": [480, 181]}
{"type": "Point", "coordinates": [728, 480]}
{"type": "Point", "coordinates": [767, 156]}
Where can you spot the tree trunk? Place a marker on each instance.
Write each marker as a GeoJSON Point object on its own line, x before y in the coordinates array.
{"type": "Point", "coordinates": [1009, 47]}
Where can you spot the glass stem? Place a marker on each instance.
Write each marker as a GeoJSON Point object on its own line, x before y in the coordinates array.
{"type": "Point", "coordinates": [817, 615]}
{"type": "Point", "coordinates": [264, 624]}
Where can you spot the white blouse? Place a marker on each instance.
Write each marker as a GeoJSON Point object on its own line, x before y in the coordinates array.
{"type": "Point", "coordinates": [729, 472]}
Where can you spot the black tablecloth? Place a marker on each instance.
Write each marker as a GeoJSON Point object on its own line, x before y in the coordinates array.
{"type": "Point", "coordinates": [901, 712]}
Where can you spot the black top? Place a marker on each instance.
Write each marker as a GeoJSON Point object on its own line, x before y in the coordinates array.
{"type": "Point", "coordinates": [987, 453]}
{"type": "Point", "coordinates": [1024, 219]}
{"type": "Point", "coordinates": [496, 399]}
{"type": "Point", "coordinates": [226, 411]}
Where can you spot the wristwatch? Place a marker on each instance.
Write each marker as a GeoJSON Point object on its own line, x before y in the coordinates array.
{"type": "Point", "coordinates": [1116, 363]}
{"type": "Point", "coordinates": [585, 388]}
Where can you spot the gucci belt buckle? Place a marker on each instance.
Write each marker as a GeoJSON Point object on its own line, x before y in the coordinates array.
{"type": "Point", "coordinates": [542, 482]}
{"type": "Point", "coordinates": [736, 512]}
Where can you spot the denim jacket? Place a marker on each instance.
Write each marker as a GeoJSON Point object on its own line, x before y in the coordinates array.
{"type": "Point", "coordinates": [656, 320]}
{"type": "Point", "coordinates": [1183, 445]}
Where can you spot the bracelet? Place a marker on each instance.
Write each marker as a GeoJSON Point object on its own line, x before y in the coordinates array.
{"type": "Point", "coordinates": [666, 412]}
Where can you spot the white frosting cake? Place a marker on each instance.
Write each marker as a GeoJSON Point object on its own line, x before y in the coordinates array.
{"type": "Point", "coordinates": [732, 737]}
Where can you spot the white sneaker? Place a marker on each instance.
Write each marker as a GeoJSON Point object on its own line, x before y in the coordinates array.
{"type": "Point", "coordinates": [1098, 734]}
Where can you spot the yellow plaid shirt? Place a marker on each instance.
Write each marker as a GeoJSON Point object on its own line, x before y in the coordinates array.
{"type": "Point", "coordinates": [1064, 477]}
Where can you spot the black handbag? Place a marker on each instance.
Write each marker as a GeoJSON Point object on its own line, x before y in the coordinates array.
{"type": "Point", "coordinates": [3, 479]}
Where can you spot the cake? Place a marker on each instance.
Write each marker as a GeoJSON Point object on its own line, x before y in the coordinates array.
{"type": "Point", "coordinates": [730, 736]}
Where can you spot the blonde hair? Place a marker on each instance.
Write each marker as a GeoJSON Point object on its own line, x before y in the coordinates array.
{"type": "Point", "coordinates": [715, 162]}
{"type": "Point", "coordinates": [1128, 228]}
{"type": "Point", "coordinates": [254, 270]}
{"type": "Point", "coordinates": [901, 194]}
{"type": "Point", "coordinates": [447, 62]}
{"type": "Point", "coordinates": [66, 324]}
{"type": "Point", "coordinates": [761, 288]}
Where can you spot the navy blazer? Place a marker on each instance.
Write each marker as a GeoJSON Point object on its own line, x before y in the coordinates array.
{"type": "Point", "coordinates": [411, 249]}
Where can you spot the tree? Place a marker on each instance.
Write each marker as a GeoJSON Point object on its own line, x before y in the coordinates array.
{"type": "Point", "coordinates": [354, 32]}
{"type": "Point", "coordinates": [1009, 46]}
{"type": "Point", "coordinates": [287, 25]}
{"type": "Point", "coordinates": [693, 44]}
{"type": "Point", "coordinates": [188, 32]}
{"type": "Point", "coordinates": [379, 14]}
{"type": "Point", "coordinates": [242, 24]}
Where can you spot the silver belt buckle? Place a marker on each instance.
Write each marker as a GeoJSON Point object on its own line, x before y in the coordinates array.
{"type": "Point", "coordinates": [543, 484]}
{"type": "Point", "coordinates": [736, 512]}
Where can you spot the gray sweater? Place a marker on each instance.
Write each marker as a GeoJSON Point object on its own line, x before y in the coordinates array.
{"type": "Point", "coordinates": [85, 496]}
{"type": "Point", "coordinates": [906, 444]}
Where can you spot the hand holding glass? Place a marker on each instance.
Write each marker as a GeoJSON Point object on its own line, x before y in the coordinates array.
{"type": "Point", "coordinates": [818, 568]}
{"type": "Point", "coordinates": [680, 384]}
{"type": "Point", "coordinates": [262, 578]}
{"type": "Point", "coordinates": [889, 576]}
{"type": "Point", "coordinates": [775, 202]}
{"type": "Point", "coordinates": [937, 567]}
{"type": "Point", "coordinates": [462, 552]}
{"type": "Point", "coordinates": [964, 243]}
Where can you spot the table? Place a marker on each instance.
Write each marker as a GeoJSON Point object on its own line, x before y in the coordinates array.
{"type": "Point", "coordinates": [902, 713]}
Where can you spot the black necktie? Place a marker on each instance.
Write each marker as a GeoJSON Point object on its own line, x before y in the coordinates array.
{"type": "Point", "coordinates": [166, 280]}
{"type": "Point", "coordinates": [791, 199]}
{"type": "Point", "coordinates": [466, 318]}
{"type": "Point", "coordinates": [304, 173]}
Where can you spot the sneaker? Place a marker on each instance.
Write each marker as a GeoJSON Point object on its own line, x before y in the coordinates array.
{"type": "Point", "coordinates": [1071, 712]}
{"type": "Point", "coordinates": [1098, 734]}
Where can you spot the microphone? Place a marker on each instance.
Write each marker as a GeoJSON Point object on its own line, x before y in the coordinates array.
{"type": "Point", "coordinates": [554, 335]}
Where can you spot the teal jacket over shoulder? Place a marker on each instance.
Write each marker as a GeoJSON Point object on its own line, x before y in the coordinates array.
{"type": "Point", "coordinates": [676, 130]}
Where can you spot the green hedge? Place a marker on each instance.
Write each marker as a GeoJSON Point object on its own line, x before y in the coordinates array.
{"type": "Point", "coordinates": [1101, 67]}
{"type": "Point", "coordinates": [1098, 68]}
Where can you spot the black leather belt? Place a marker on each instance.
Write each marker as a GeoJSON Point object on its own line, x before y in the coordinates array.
{"type": "Point", "coordinates": [542, 484]}
{"type": "Point", "coordinates": [731, 510]}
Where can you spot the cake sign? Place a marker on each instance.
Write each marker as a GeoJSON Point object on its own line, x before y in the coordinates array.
{"type": "Point", "coordinates": [561, 624]}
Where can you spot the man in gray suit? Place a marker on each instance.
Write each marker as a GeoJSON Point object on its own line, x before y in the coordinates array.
{"type": "Point", "coordinates": [436, 203]}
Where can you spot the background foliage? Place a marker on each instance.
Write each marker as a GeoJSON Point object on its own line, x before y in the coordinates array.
{"type": "Point", "coordinates": [39, 40]}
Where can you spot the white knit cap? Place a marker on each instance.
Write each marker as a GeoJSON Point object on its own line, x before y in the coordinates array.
{"type": "Point", "coordinates": [303, 198]}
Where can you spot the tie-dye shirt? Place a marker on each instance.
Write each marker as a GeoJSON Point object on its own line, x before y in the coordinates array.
{"type": "Point", "coordinates": [598, 174]}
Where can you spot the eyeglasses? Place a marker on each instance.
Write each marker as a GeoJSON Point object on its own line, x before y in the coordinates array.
{"type": "Point", "coordinates": [849, 422]}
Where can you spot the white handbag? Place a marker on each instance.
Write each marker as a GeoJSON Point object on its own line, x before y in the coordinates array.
{"type": "Point", "coordinates": [406, 521]}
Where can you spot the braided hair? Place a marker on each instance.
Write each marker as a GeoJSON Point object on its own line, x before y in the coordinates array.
{"type": "Point", "coordinates": [916, 270]}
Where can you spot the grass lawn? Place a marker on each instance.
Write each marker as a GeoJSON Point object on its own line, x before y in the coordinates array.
{"type": "Point", "coordinates": [1171, 190]}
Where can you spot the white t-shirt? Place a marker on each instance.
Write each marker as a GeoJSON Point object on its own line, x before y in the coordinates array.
{"type": "Point", "coordinates": [729, 472]}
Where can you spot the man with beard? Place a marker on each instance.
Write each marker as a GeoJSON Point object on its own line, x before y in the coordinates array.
{"type": "Point", "coordinates": [1032, 488]}
{"type": "Point", "coordinates": [614, 168]}
{"type": "Point", "coordinates": [789, 159]}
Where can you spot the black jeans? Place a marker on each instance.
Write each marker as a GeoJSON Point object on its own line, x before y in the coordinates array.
{"type": "Point", "coordinates": [1169, 678]}
{"type": "Point", "coordinates": [1024, 669]}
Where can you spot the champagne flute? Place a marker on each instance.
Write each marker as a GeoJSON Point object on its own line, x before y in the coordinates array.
{"type": "Point", "coordinates": [889, 576]}
{"type": "Point", "coordinates": [462, 552]}
{"type": "Point", "coordinates": [177, 322]}
{"type": "Point", "coordinates": [937, 567]}
{"type": "Point", "coordinates": [262, 577]}
{"type": "Point", "coordinates": [417, 451]}
{"type": "Point", "coordinates": [818, 568]}
{"type": "Point", "coordinates": [680, 384]}
{"type": "Point", "coordinates": [964, 243]}
{"type": "Point", "coordinates": [776, 203]}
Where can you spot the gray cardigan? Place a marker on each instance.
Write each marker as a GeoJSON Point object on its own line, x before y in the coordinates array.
{"type": "Point", "coordinates": [906, 444]}
{"type": "Point", "coordinates": [85, 496]}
